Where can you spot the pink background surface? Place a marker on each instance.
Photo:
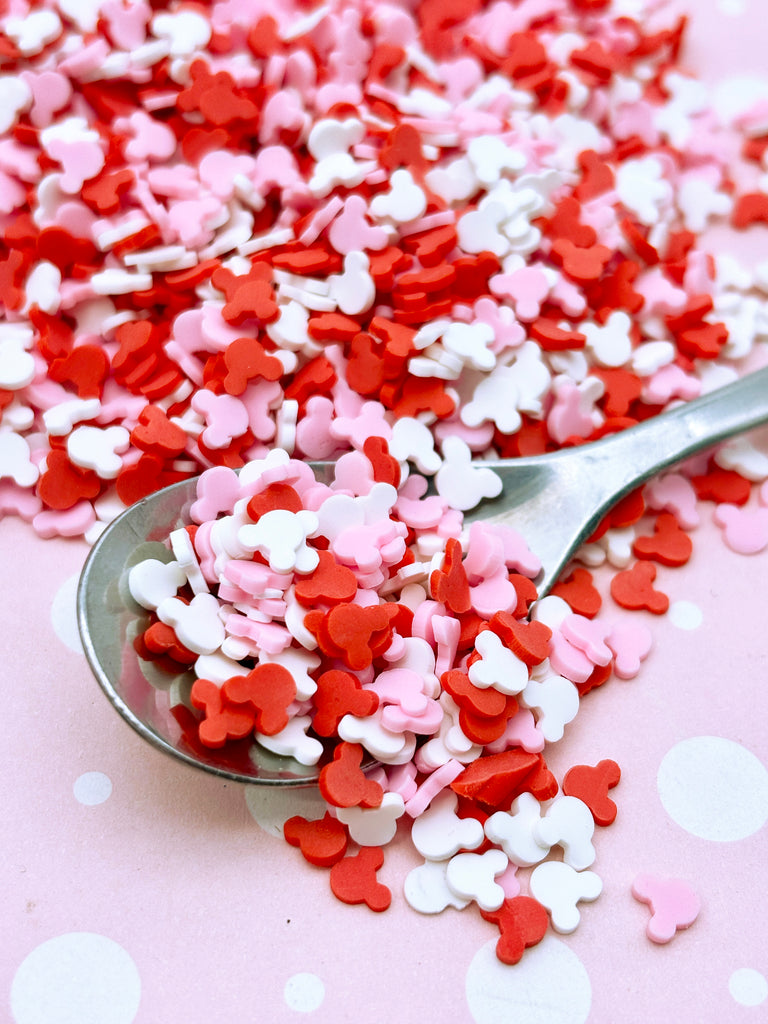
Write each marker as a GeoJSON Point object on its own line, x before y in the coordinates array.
{"type": "Point", "coordinates": [215, 914]}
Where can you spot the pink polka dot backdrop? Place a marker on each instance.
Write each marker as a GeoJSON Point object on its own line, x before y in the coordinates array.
{"type": "Point", "coordinates": [136, 889]}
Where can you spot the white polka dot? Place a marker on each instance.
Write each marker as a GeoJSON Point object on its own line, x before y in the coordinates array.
{"type": "Point", "coordinates": [748, 987]}
{"type": "Point", "coordinates": [714, 788]}
{"type": "Point", "coordinates": [79, 977]}
{"type": "Point", "coordinates": [272, 806]}
{"type": "Point", "coordinates": [732, 7]}
{"type": "Point", "coordinates": [64, 615]}
{"type": "Point", "coordinates": [92, 788]}
{"type": "Point", "coordinates": [685, 615]}
{"type": "Point", "coordinates": [548, 986]}
{"type": "Point", "coordinates": [736, 95]}
{"type": "Point", "coordinates": [304, 992]}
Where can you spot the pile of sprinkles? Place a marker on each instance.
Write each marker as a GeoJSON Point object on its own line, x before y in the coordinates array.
{"type": "Point", "coordinates": [241, 236]}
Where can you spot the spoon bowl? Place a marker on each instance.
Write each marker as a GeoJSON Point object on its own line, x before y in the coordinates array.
{"type": "Point", "coordinates": [110, 620]}
{"type": "Point", "coordinates": [555, 502]}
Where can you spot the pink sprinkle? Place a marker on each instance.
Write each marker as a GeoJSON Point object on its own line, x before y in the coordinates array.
{"type": "Point", "coordinates": [674, 905]}
{"type": "Point", "coordinates": [434, 784]}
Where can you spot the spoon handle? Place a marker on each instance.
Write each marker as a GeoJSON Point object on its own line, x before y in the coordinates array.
{"type": "Point", "coordinates": [556, 501]}
{"type": "Point", "coordinates": [673, 436]}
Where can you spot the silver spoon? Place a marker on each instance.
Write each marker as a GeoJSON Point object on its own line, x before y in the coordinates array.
{"type": "Point", "coordinates": [555, 501]}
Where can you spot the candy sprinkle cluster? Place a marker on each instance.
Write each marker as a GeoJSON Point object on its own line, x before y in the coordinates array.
{"type": "Point", "coordinates": [402, 234]}
{"type": "Point", "coordinates": [313, 618]}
